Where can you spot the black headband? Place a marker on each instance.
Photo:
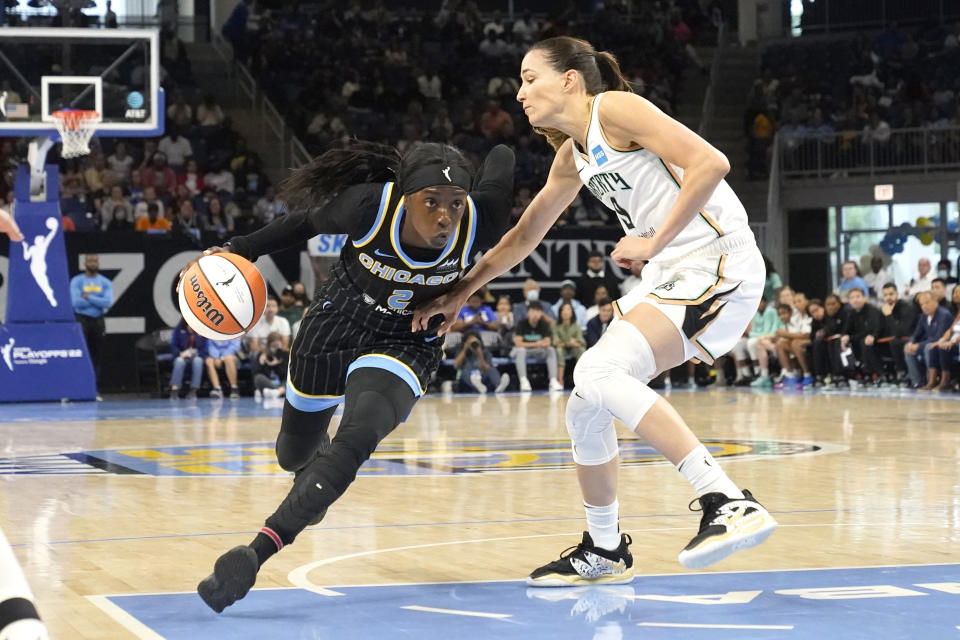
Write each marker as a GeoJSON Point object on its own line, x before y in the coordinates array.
{"type": "Point", "coordinates": [437, 175]}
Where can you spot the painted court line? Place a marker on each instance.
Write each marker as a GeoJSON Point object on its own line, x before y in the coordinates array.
{"type": "Point", "coordinates": [680, 625]}
{"type": "Point", "coordinates": [457, 612]}
{"type": "Point", "coordinates": [127, 621]}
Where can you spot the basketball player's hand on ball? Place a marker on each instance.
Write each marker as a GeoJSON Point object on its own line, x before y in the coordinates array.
{"type": "Point", "coordinates": [448, 305]}
{"type": "Point", "coordinates": [206, 252]}
{"type": "Point", "coordinates": [631, 249]}
{"type": "Point", "coordinates": [9, 227]}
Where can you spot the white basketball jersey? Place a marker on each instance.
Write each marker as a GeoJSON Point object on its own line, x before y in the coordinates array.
{"type": "Point", "coordinates": [641, 188]}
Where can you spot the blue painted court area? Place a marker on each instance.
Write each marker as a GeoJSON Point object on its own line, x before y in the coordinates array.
{"type": "Point", "coordinates": [875, 602]}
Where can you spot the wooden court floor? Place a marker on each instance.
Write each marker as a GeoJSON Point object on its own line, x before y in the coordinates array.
{"type": "Point", "coordinates": [117, 510]}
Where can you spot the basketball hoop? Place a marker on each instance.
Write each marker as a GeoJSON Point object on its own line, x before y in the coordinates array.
{"type": "Point", "coordinates": [76, 127]}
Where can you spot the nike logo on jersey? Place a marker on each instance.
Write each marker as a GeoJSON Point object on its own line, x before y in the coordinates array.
{"type": "Point", "coordinates": [377, 252]}
{"type": "Point", "coordinates": [430, 339]}
{"type": "Point", "coordinates": [446, 174]}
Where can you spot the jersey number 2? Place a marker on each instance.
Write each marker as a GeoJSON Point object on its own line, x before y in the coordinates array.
{"type": "Point", "coordinates": [400, 298]}
{"type": "Point", "coordinates": [623, 214]}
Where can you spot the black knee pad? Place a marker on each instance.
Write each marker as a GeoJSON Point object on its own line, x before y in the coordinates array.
{"type": "Point", "coordinates": [301, 433]}
{"type": "Point", "coordinates": [376, 402]}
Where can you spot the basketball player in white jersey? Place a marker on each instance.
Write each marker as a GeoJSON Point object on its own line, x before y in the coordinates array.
{"type": "Point", "coordinates": [700, 288]}
{"type": "Point", "coordinates": [18, 615]}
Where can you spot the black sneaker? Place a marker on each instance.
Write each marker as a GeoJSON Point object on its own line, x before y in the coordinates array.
{"type": "Point", "coordinates": [587, 564]}
{"type": "Point", "coordinates": [324, 443]}
{"type": "Point", "coordinates": [233, 575]}
{"type": "Point", "coordinates": [727, 525]}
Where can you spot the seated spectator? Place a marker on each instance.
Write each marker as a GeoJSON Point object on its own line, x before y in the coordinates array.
{"type": "Point", "coordinates": [217, 220]}
{"type": "Point", "coordinates": [599, 295]}
{"type": "Point", "coordinates": [222, 354]}
{"type": "Point", "coordinates": [496, 125]}
{"type": "Point", "coordinates": [220, 179]}
{"type": "Point", "coordinates": [633, 280]}
{"type": "Point", "coordinates": [531, 293]}
{"type": "Point", "coordinates": [121, 163]}
{"type": "Point", "coordinates": [300, 293]}
{"type": "Point", "coordinates": [597, 325]}
{"type": "Point", "coordinates": [209, 113]}
{"type": "Point", "coordinates": [475, 315]}
{"type": "Point", "coordinates": [863, 328]}
{"type": "Point", "coordinates": [938, 288]}
{"type": "Point", "coordinates": [116, 212]}
{"type": "Point", "coordinates": [191, 177]}
{"type": "Point", "coordinates": [792, 341]}
{"type": "Point", "coordinates": [758, 345]}
{"type": "Point", "coordinates": [946, 353]}
{"type": "Point", "coordinates": [149, 195]}
{"type": "Point", "coordinates": [268, 207]}
{"type": "Point", "coordinates": [96, 176]}
{"type": "Point", "coordinates": [270, 322]}
{"type": "Point", "coordinates": [567, 338]}
{"type": "Point", "coordinates": [932, 324]}
{"type": "Point", "coordinates": [180, 114]}
{"type": "Point", "coordinates": [290, 307]}
{"type": "Point", "coordinates": [851, 280]}
{"type": "Point", "coordinates": [176, 148]}
{"type": "Point", "coordinates": [877, 277]}
{"type": "Point", "coordinates": [159, 175]}
{"type": "Point", "coordinates": [153, 222]}
{"type": "Point", "coordinates": [899, 318]}
{"type": "Point", "coordinates": [190, 348]}
{"type": "Point", "coordinates": [944, 266]}
{"type": "Point", "coordinates": [921, 281]}
{"type": "Point", "coordinates": [593, 276]}
{"type": "Point", "coordinates": [270, 368]}
{"type": "Point", "coordinates": [187, 222]}
{"type": "Point", "coordinates": [135, 188]}
{"type": "Point", "coordinates": [474, 371]}
{"type": "Point", "coordinates": [505, 320]}
{"type": "Point", "coordinates": [568, 289]}
{"type": "Point", "coordinates": [533, 338]}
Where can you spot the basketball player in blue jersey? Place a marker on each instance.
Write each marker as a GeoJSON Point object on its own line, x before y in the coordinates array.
{"type": "Point", "coordinates": [701, 285]}
{"type": "Point", "coordinates": [412, 226]}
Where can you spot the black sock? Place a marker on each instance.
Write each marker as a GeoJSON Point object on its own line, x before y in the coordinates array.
{"type": "Point", "coordinates": [264, 546]}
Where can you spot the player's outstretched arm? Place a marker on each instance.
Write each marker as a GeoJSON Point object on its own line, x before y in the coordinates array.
{"type": "Point", "coordinates": [9, 227]}
{"type": "Point", "coordinates": [561, 188]}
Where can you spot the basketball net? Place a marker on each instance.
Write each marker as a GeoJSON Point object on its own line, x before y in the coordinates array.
{"type": "Point", "coordinates": [76, 127]}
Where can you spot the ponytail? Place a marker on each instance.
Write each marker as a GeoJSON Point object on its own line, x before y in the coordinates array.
{"type": "Point", "coordinates": [331, 172]}
{"type": "Point", "coordinates": [610, 72]}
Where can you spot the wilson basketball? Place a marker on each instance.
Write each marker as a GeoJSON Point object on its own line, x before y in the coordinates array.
{"type": "Point", "coordinates": [222, 296]}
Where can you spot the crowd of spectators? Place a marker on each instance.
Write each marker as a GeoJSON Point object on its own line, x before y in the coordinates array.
{"type": "Point", "coordinates": [860, 87]}
{"type": "Point", "coordinates": [405, 76]}
{"type": "Point", "coordinates": [866, 333]}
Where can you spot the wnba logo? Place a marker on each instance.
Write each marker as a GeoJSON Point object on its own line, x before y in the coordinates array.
{"type": "Point", "coordinates": [213, 315]}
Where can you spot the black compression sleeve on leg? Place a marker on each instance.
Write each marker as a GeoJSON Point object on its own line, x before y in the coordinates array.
{"type": "Point", "coordinates": [301, 433]}
{"type": "Point", "coordinates": [376, 402]}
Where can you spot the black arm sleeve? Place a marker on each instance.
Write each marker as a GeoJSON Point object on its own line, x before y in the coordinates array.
{"type": "Point", "coordinates": [494, 196]}
{"type": "Point", "coordinates": [352, 211]}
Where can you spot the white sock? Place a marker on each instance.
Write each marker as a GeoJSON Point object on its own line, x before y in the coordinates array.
{"type": "Point", "coordinates": [743, 371]}
{"type": "Point", "coordinates": [764, 372]}
{"type": "Point", "coordinates": [706, 476]}
{"type": "Point", "coordinates": [602, 523]}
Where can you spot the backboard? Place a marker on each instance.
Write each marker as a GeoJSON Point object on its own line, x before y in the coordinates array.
{"type": "Point", "coordinates": [115, 72]}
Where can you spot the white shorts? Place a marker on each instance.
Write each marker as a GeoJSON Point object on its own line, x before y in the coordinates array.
{"type": "Point", "coordinates": [711, 294]}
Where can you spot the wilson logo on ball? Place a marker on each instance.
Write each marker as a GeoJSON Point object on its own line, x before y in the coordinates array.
{"type": "Point", "coordinates": [212, 314]}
